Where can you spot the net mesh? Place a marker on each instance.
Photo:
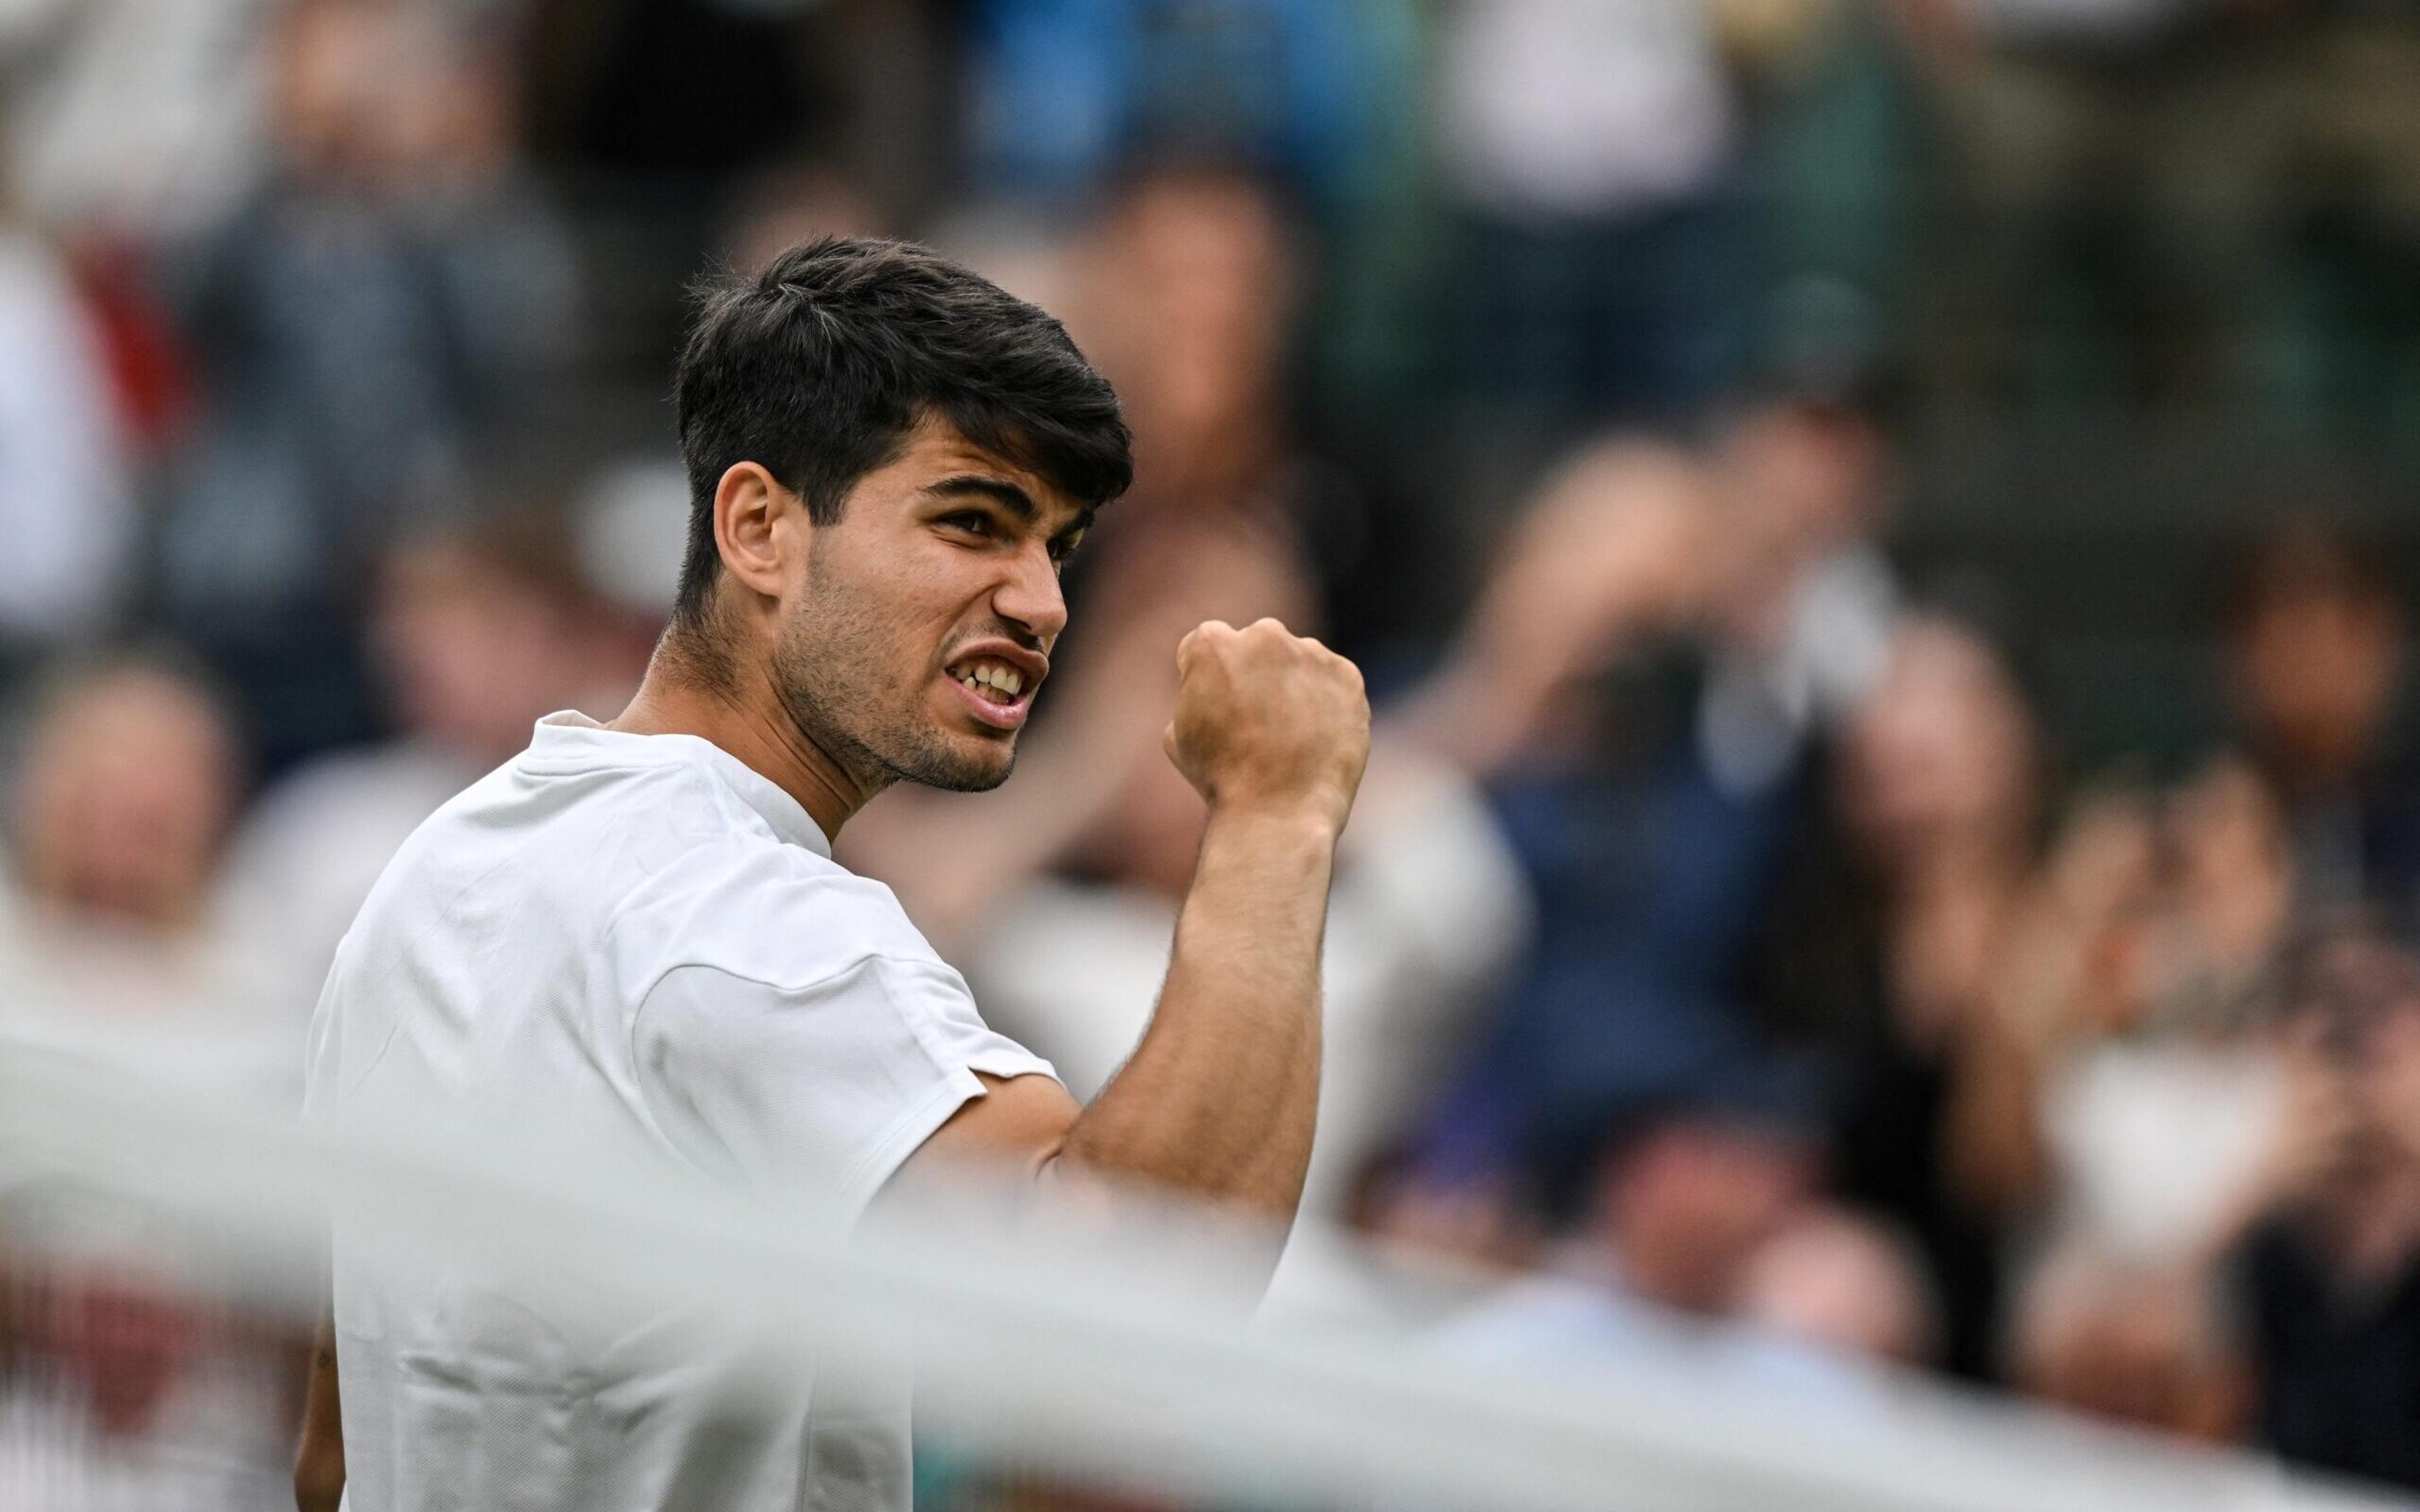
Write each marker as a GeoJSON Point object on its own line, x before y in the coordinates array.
{"type": "Point", "coordinates": [165, 1254]}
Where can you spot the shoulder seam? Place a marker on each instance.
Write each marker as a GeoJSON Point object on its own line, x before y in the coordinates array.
{"type": "Point", "coordinates": [855, 963]}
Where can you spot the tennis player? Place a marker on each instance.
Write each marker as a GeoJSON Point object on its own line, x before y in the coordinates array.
{"type": "Point", "coordinates": [630, 942]}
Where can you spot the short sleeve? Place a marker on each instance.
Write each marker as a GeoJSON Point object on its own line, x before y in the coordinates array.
{"type": "Point", "coordinates": [825, 1086]}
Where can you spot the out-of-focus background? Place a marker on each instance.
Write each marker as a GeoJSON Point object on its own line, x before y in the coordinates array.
{"type": "Point", "coordinates": [1880, 532]}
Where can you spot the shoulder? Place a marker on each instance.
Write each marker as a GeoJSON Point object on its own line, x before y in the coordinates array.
{"type": "Point", "coordinates": [753, 907]}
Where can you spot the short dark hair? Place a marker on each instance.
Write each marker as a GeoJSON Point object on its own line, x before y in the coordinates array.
{"type": "Point", "coordinates": [2305, 560]}
{"type": "Point", "coordinates": [819, 365]}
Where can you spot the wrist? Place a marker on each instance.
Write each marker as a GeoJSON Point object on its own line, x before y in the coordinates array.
{"type": "Point", "coordinates": [1291, 820]}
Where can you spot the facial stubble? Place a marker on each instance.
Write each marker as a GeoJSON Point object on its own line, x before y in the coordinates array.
{"type": "Point", "coordinates": [827, 670]}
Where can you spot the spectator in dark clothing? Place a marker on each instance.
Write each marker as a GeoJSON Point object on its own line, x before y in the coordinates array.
{"type": "Point", "coordinates": [2342, 1372]}
{"type": "Point", "coordinates": [2315, 653]}
{"type": "Point", "coordinates": [1586, 154]}
{"type": "Point", "coordinates": [1705, 625]}
{"type": "Point", "coordinates": [381, 312]}
{"type": "Point", "coordinates": [1189, 289]}
{"type": "Point", "coordinates": [2330, 1280]}
{"type": "Point", "coordinates": [1892, 933]}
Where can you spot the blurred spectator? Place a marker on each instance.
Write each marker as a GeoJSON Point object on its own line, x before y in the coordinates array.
{"type": "Point", "coordinates": [2329, 1277]}
{"type": "Point", "coordinates": [1187, 293]}
{"type": "Point", "coordinates": [1585, 146]}
{"type": "Point", "coordinates": [381, 312]}
{"type": "Point", "coordinates": [1187, 299]}
{"type": "Point", "coordinates": [2132, 1028]}
{"type": "Point", "coordinates": [66, 501]}
{"type": "Point", "coordinates": [1685, 1208]}
{"type": "Point", "coordinates": [1756, 556]}
{"type": "Point", "coordinates": [1889, 937]}
{"type": "Point", "coordinates": [126, 792]}
{"type": "Point", "coordinates": [119, 1390]}
{"type": "Point", "coordinates": [113, 930]}
{"type": "Point", "coordinates": [1688, 1195]}
{"type": "Point", "coordinates": [2160, 1109]}
{"type": "Point", "coordinates": [1645, 676]}
{"type": "Point", "coordinates": [478, 631]}
{"type": "Point", "coordinates": [2314, 661]}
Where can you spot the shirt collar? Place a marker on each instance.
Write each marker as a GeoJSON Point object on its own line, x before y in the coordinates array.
{"type": "Point", "coordinates": [573, 735]}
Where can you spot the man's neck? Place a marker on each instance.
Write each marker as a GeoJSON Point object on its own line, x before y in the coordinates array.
{"type": "Point", "coordinates": [744, 716]}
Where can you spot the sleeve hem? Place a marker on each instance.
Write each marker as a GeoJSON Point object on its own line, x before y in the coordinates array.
{"type": "Point", "coordinates": [907, 1134]}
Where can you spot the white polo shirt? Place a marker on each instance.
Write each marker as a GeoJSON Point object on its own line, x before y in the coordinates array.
{"type": "Point", "coordinates": [638, 947]}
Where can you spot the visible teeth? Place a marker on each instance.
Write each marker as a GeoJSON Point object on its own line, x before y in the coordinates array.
{"type": "Point", "coordinates": [1006, 680]}
{"type": "Point", "coordinates": [993, 676]}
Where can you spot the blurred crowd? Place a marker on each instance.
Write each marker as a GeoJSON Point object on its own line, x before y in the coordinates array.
{"type": "Point", "coordinates": [1757, 945]}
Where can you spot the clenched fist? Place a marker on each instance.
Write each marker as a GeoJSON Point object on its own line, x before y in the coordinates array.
{"type": "Point", "coordinates": [1268, 719]}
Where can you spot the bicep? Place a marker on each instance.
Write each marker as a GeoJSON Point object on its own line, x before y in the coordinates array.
{"type": "Point", "coordinates": [1017, 1129]}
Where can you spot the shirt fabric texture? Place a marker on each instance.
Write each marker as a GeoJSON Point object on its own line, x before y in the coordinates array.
{"type": "Point", "coordinates": [627, 948]}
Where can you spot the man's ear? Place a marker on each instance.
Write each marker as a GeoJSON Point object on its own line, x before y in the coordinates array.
{"type": "Point", "coordinates": [759, 528]}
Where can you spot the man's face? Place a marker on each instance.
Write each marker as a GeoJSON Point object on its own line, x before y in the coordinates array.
{"type": "Point", "coordinates": [923, 624]}
{"type": "Point", "coordinates": [2315, 675]}
{"type": "Point", "coordinates": [125, 797]}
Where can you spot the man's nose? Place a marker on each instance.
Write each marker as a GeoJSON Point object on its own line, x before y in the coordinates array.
{"type": "Point", "coordinates": [1031, 597]}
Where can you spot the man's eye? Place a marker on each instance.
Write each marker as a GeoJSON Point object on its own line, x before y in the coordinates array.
{"type": "Point", "coordinates": [972, 524]}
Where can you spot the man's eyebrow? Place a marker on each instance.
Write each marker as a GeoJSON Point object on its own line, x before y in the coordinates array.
{"type": "Point", "coordinates": [1010, 497]}
{"type": "Point", "coordinates": [999, 490]}
{"type": "Point", "coordinates": [1081, 522]}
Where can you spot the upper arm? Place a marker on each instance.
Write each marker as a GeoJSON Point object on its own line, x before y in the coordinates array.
{"type": "Point", "coordinates": [1016, 1128]}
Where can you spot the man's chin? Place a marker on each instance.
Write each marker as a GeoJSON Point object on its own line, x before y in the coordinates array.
{"type": "Point", "coordinates": [962, 770]}
{"type": "Point", "coordinates": [967, 779]}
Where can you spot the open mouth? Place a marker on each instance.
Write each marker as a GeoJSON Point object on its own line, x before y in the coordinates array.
{"type": "Point", "coordinates": [999, 693]}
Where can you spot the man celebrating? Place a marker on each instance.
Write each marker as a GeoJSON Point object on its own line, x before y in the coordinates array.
{"type": "Point", "coordinates": [630, 941]}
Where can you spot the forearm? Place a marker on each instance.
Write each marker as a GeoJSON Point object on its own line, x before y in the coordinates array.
{"type": "Point", "coordinates": [1221, 1097]}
